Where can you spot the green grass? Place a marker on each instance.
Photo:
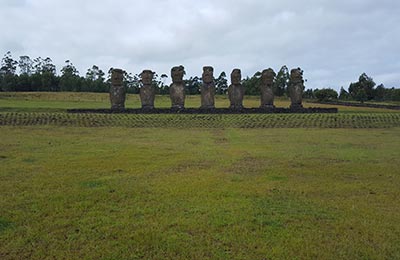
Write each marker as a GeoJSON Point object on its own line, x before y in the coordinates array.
{"type": "Point", "coordinates": [345, 120]}
{"type": "Point", "coordinates": [154, 193]}
{"type": "Point", "coordinates": [272, 186]}
{"type": "Point", "coordinates": [61, 101]}
{"type": "Point", "coordinates": [50, 109]}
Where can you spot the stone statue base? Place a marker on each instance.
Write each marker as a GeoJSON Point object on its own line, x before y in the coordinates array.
{"type": "Point", "coordinates": [236, 107]}
{"type": "Point", "coordinates": [207, 96]}
{"type": "Point", "coordinates": [266, 106]}
{"type": "Point", "coordinates": [267, 97]}
{"type": "Point", "coordinates": [236, 94]}
{"type": "Point", "coordinates": [117, 97]}
{"type": "Point", "coordinates": [207, 107]}
{"type": "Point", "coordinates": [296, 106]}
{"type": "Point", "coordinates": [147, 96]}
{"type": "Point", "coordinates": [177, 95]}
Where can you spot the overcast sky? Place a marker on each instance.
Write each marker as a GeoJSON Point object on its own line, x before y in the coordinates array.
{"type": "Point", "coordinates": [332, 41]}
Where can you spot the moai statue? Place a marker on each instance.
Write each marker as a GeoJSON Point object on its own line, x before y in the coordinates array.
{"type": "Point", "coordinates": [117, 90]}
{"type": "Point", "coordinates": [236, 90]}
{"type": "Point", "coordinates": [147, 91]}
{"type": "Point", "coordinates": [296, 87]}
{"type": "Point", "coordinates": [208, 88]}
{"type": "Point", "coordinates": [177, 88]}
{"type": "Point", "coordinates": [267, 94]}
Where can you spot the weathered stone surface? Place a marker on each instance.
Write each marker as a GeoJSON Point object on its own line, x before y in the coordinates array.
{"type": "Point", "coordinates": [296, 87]}
{"type": "Point", "coordinates": [208, 88]}
{"type": "Point", "coordinates": [147, 91]}
{"type": "Point", "coordinates": [236, 90]}
{"type": "Point", "coordinates": [177, 88]}
{"type": "Point", "coordinates": [266, 87]}
{"type": "Point", "coordinates": [117, 90]}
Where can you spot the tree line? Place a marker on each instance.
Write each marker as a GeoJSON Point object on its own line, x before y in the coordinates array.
{"type": "Point", "coordinates": [365, 89]}
{"type": "Point", "coordinates": [40, 74]}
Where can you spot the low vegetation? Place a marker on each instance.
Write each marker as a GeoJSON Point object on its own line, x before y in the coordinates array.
{"type": "Point", "coordinates": [361, 120]}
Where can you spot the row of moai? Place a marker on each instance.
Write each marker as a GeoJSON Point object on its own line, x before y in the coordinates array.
{"type": "Point", "coordinates": [236, 90]}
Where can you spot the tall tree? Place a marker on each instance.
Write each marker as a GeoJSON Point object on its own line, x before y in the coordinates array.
{"type": "Point", "coordinates": [37, 65]}
{"type": "Point", "coordinates": [41, 65]}
{"type": "Point", "coordinates": [379, 93]}
{"type": "Point", "coordinates": [25, 65]}
{"type": "Point", "coordinates": [192, 85]}
{"type": "Point", "coordinates": [163, 88]}
{"type": "Point", "coordinates": [281, 81]}
{"type": "Point", "coordinates": [343, 94]}
{"type": "Point", "coordinates": [8, 79]}
{"type": "Point", "coordinates": [363, 89]}
{"type": "Point", "coordinates": [44, 75]}
{"type": "Point", "coordinates": [95, 81]}
{"type": "Point", "coordinates": [48, 73]}
{"type": "Point", "coordinates": [48, 66]}
{"type": "Point", "coordinates": [221, 83]}
{"type": "Point", "coordinates": [69, 80]}
{"type": "Point", "coordinates": [8, 64]}
{"type": "Point", "coordinates": [69, 69]}
{"type": "Point", "coordinates": [252, 85]}
{"type": "Point", "coordinates": [95, 73]}
{"type": "Point", "coordinates": [132, 83]}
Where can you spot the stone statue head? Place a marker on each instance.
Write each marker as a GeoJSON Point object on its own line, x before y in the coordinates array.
{"type": "Point", "coordinates": [236, 76]}
{"type": "Point", "coordinates": [208, 74]}
{"type": "Point", "coordinates": [117, 76]}
{"type": "Point", "coordinates": [267, 76]}
{"type": "Point", "coordinates": [296, 76]}
{"type": "Point", "coordinates": [147, 77]}
{"type": "Point", "coordinates": [177, 74]}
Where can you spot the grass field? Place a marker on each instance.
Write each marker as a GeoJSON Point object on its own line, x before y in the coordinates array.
{"type": "Point", "coordinates": [60, 102]}
{"type": "Point", "coordinates": [195, 186]}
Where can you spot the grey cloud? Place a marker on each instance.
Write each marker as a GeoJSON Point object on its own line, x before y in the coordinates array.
{"type": "Point", "coordinates": [13, 3]}
{"type": "Point", "coordinates": [333, 41]}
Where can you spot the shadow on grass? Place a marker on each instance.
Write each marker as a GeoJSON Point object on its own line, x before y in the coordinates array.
{"type": "Point", "coordinates": [5, 224]}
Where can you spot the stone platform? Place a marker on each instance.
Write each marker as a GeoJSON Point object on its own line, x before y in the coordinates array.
{"type": "Point", "coordinates": [311, 110]}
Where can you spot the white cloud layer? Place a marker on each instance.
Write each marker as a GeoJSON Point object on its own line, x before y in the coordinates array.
{"type": "Point", "coordinates": [332, 41]}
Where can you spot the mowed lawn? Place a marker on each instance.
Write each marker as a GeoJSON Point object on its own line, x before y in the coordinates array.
{"type": "Point", "coordinates": [168, 193]}
{"type": "Point", "coordinates": [196, 186]}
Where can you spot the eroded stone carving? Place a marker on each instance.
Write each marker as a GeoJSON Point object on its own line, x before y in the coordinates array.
{"type": "Point", "coordinates": [177, 88]}
{"type": "Point", "coordinates": [266, 87]}
{"type": "Point", "coordinates": [117, 90]}
{"type": "Point", "coordinates": [236, 90]}
{"type": "Point", "coordinates": [147, 91]}
{"type": "Point", "coordinates": [296, 87]}
{"type": "Point", "coordinates": [208, 88]}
